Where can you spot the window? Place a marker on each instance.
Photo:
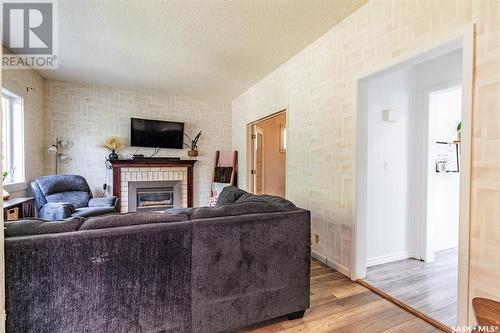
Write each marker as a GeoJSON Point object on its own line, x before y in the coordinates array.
{"type": "Point", "coordinates": [12, 137]}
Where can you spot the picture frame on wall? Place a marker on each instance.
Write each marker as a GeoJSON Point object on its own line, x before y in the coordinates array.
{"type": "Point", "coordinates": [447, 157]}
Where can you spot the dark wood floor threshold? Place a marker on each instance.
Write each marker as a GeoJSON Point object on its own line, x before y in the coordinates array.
{"type": "Point", "coordinates": [406, 307]}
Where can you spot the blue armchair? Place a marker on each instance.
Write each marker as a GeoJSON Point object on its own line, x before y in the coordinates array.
{"type": "Point", "coordinates": [62, 196]}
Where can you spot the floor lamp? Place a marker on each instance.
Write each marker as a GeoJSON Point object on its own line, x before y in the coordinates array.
{"type": "Point", "coordinates": [55, 150]}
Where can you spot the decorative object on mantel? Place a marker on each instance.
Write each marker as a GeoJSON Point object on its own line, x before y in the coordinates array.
{"type": "Point", "coordinates": [113, 143]}
{"type": "Point", "coordinates": [6, 195]}
{"type": "Point", "coordinates": [60, 157]}
{"type": "Point", "coordinates": [193, 144]}
{"type": "Point", "coordinates": [459, 131]}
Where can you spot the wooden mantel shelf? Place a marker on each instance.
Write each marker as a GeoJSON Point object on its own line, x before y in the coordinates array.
{"type": "Point", "coordinates": [152, 163]}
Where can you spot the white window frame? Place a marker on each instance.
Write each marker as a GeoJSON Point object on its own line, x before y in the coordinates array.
{"type": "Point", "coordinates": [19, 182]}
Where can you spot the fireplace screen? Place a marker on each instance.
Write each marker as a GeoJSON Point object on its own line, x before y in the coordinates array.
{"type": "Point", "coordinates": [155, 198]}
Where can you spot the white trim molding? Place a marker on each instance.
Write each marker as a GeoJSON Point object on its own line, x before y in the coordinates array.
{"type": "Point", "coordinates": [331, 263]}
{"type": "Point", "coordinates": [464, 38]}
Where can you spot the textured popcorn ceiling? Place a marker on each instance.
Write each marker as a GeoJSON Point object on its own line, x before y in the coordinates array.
{"type": "Point", "coordinates": [197, 48]}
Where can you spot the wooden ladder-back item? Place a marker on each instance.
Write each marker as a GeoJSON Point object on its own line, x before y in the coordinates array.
{"type": "Point", "coordinates": [225, 168]}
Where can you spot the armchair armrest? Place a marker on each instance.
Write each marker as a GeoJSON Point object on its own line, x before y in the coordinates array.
{"type": "Point", "coordinates": [56, 211]}
{"type": "Point", "coordinates": [103, 202]}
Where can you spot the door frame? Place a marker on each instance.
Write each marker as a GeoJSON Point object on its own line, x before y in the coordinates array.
{"type": "Point", "coordinates": [465, 38]}
{"type": "Point", "coordinates": [249, 146]}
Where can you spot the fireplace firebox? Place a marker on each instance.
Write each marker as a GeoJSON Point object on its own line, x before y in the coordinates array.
{"type": "Point", "coordinates": [153, 196]}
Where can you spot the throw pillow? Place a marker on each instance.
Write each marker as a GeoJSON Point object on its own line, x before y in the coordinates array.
{"type": "Point", "coordinates": [213, 200]}
{"type": "Point", "coordinates": [229, 195]}
{"type": "Point", "coordinates": [216, 190]}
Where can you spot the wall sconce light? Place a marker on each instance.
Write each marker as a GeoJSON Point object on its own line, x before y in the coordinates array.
{"type": "Point", "coordinates": [60, 157]}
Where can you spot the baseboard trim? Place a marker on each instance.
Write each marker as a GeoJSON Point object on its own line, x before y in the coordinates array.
{"type": "Point", "coordinates": [332, 264]}
{"type": "Point", "coordinates": [406, 307]}
{"type": "Point", "coordinates": [390, 258]}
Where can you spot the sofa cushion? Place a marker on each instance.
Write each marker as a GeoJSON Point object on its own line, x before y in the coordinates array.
{"type": "Point", "coordinates": [127, 219]}
{"type": "Point", "coordinates": [235, 209]}
{"type": "Point", "coordinates": [62, 183]}
{"type": "Point", "coordinates": [229, 195]}
{"type": "Point", "coordinates": [93, 211]}
{"type": "Point", "coordinates": [34, 226]}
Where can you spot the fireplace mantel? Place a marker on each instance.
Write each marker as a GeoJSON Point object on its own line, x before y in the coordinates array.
{"type": "Point", "coordinates": [152, 164]}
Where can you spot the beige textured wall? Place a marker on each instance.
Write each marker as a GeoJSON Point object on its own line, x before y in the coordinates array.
{"type": "Point", "coordinates": [316, 86]}
{"type": "Point", "coordinates": [87, 114]}
{"type": "Point", "coordinates": [16, 81]}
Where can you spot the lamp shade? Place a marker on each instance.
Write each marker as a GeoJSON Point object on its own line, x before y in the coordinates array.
{"type": "Point", "coordinates": [52, 149]}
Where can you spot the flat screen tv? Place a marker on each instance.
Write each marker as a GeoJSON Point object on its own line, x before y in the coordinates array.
{"type": "Point", "coordinates": [156, 134]}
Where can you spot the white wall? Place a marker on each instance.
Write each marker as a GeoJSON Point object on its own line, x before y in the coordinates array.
{"type": "Point", "coordinates": [441, 208]}
{"type": "Point", "coordinates": [388, 228]}
{"type": "Point", "coordinates": [399, 167]}
{"type": "Point", "coordinates": [443, 188]}
{"type": "Point", "coordinates": [87, 114]}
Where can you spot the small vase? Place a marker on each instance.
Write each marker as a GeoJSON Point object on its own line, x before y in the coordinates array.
{"type": "Point", "coordinates": [113, 156]}
{"type": "Point", "coordinates": [192, 153]}
{"type": "Point", "coordinates": [6, 195]}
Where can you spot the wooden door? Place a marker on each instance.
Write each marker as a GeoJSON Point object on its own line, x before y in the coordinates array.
{"type": "Point", "coordinates": [258, 159]}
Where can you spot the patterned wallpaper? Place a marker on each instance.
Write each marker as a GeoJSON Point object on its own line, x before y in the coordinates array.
{"type": "Point", "coordinates": [316, 86]}
{"type": "Point", "coordinates": [86, 114]}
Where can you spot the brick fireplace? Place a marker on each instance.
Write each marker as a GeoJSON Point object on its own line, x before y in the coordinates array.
{"type": "Point", "coordinates": [153, 184]}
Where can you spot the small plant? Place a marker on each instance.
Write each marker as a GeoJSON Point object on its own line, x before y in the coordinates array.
{"type": "Point", "coordinates": [113, 143]}
{"type": "Point", "coordinates": [5, 173]}
{"type": "Point", "coordinates": [459, 131]}
{"type": "Point", "coordinates": [193, 143]}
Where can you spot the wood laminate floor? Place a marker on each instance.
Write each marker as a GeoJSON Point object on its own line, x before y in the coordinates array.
{"type": "Point", "coordinates": [430, 288]}
{"type": "Point", "coordinates": [341, 305]}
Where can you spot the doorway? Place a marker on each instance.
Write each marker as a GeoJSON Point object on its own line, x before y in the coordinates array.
{"type": "Point", "coordinates": [267, 155]}
{"type": "Point", "coordinates": [403, 170]}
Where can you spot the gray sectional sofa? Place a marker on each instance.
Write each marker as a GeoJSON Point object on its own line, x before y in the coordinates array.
{"type": "Point", "coordinates": [187, 270]}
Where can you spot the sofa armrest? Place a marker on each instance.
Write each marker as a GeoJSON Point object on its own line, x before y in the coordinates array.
{"type": "Point", "coordinates": [56, 211]}
{"type": "Point", "coordinates": [103, 202]}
